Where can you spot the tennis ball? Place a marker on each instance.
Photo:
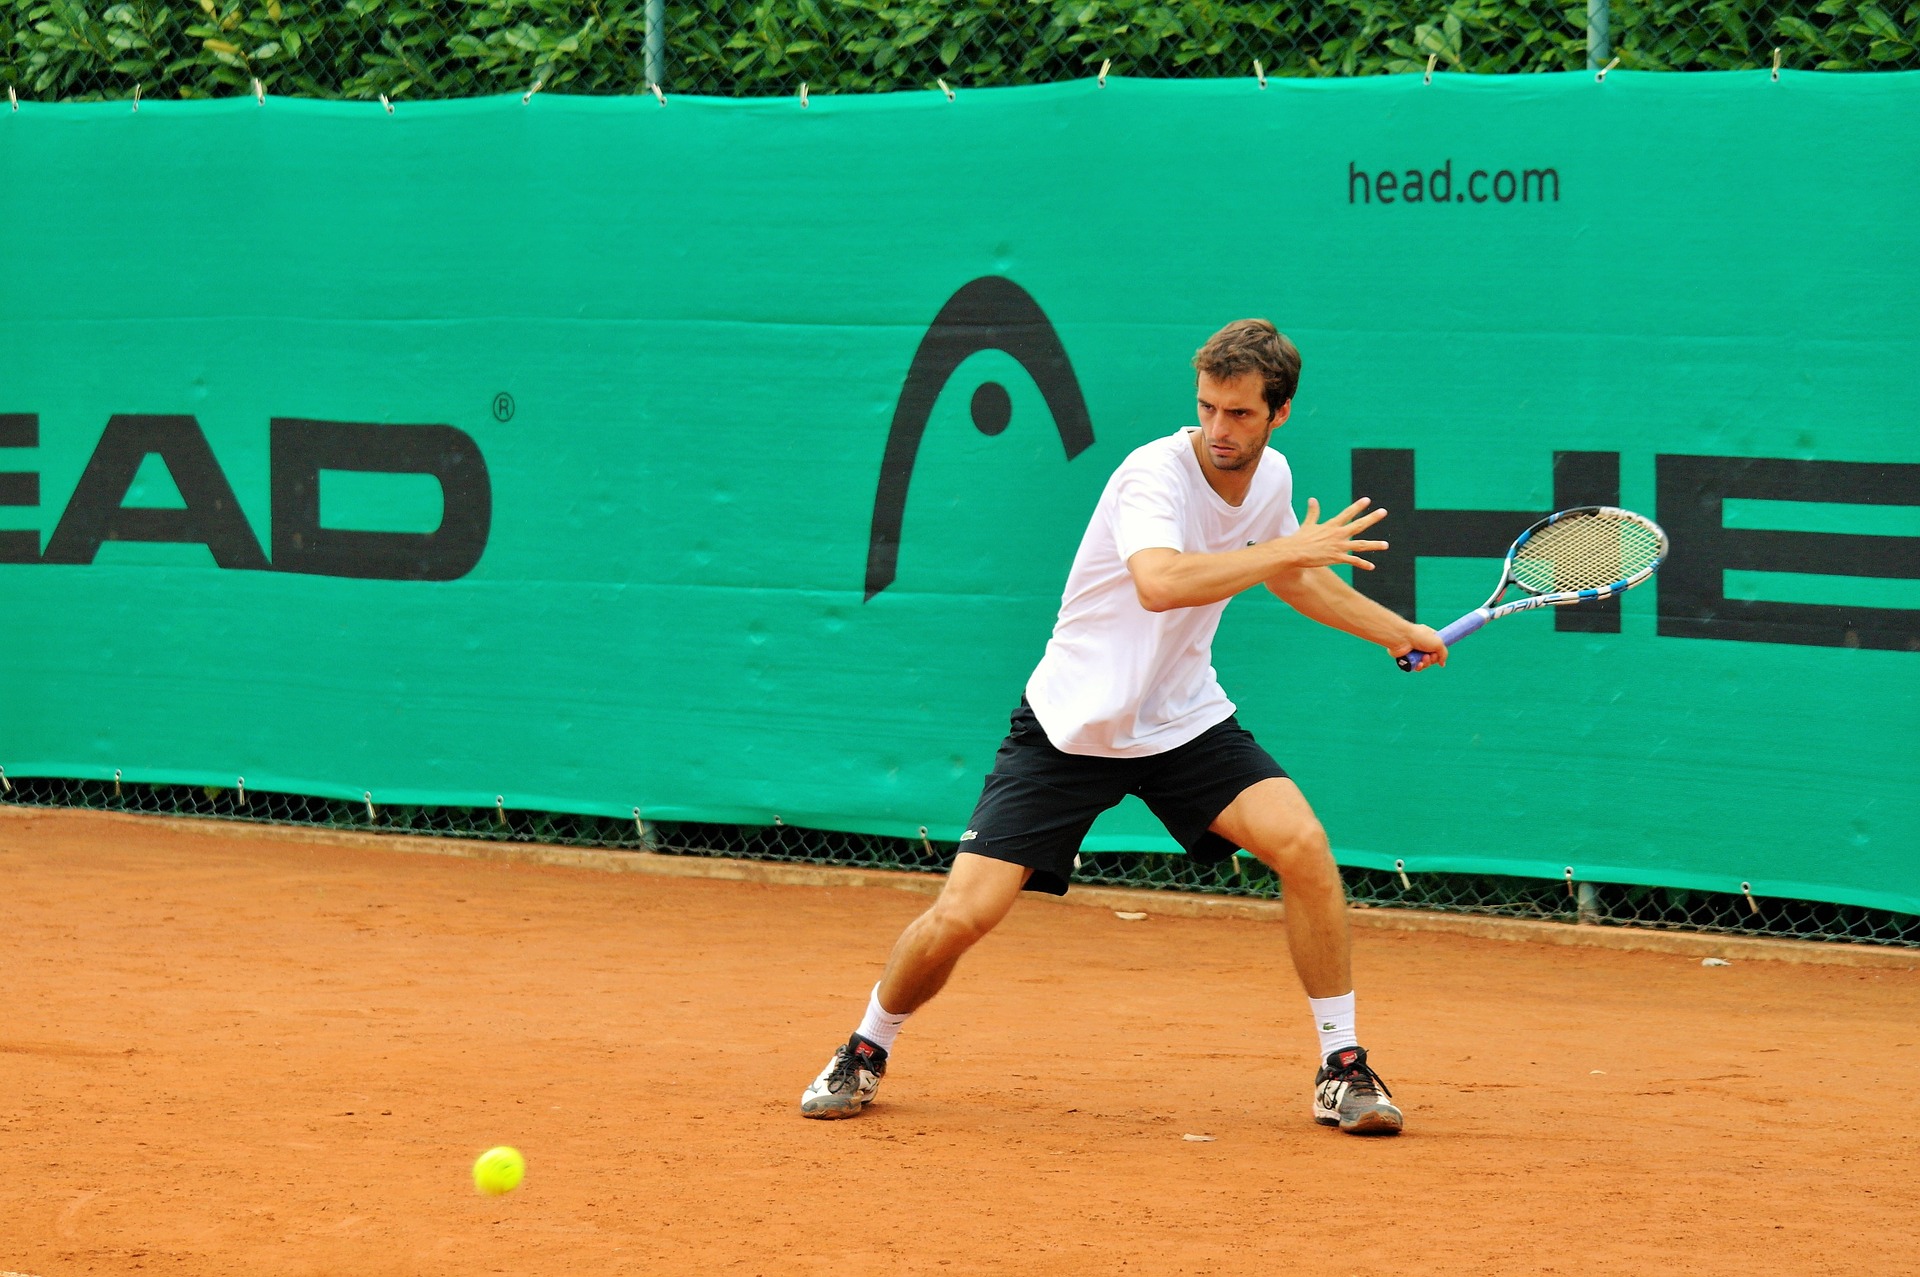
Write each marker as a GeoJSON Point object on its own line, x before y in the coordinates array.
{"type": "Point", "coordinates": [499, 1170]}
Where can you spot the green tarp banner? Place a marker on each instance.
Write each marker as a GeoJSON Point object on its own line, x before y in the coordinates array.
{"type": "Point", "coordinates": [725, 459]}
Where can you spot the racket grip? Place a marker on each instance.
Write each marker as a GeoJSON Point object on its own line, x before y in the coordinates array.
{"type": "Point", "coordinates": [1450, 635]}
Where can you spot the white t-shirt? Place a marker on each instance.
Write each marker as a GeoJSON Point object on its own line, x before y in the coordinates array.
{"type": "Point", "coordinates": [1118, 681]}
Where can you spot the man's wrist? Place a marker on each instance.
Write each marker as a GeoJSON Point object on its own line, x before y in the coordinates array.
{"type": "Point", "coordinates": [1286, 556]}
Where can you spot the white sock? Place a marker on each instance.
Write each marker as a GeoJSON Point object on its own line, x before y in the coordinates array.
{"type": "Point", "coordinates": [882, 1026]}
{"type": "Point", "coordinates": [1333, 1021]}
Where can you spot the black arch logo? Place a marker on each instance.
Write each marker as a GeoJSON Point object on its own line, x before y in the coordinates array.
{"type": "Point", "coordinates": [991, 313]}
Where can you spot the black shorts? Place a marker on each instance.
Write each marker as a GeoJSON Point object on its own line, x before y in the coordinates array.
{"type": "Point", "coordinates": [1038, 802]}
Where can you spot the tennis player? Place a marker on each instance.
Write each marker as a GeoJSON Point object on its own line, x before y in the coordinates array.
{"type": "Point", "coordinates": [1125, 701]}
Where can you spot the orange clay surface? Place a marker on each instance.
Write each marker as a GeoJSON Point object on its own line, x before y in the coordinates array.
{"type": "Point", "coordinates": [232, 1054]}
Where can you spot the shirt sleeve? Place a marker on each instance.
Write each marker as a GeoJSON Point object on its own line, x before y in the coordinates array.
{"type": "Point", "coordinates": [1285, 522]}
{"type": "Point", "coordinates": [1148, 513]}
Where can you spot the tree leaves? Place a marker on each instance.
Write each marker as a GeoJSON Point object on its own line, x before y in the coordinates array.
{"type": "Point", "coordinates": [88, 50]}
{"type": "Point", "coordinates": [1832, 35]}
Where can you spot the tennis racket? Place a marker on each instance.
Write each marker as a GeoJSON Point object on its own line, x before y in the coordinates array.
{"type": "Point", "coordinates": [1589, 552]}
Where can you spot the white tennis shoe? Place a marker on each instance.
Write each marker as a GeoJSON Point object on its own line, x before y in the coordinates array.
{"type": "Point", "coordinates": [848, 1083]}
{"type": "Point", "coordinates": [1350, 1095]}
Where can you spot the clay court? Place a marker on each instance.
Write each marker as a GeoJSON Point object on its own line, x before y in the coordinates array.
{"type": "Point", "coordinates": [229, 1050]}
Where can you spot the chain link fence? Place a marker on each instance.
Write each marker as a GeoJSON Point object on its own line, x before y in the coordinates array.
{"type": "Point", "coordinates": [1597, 904]}
{"type": "Point", "coordinates": [92, 50]}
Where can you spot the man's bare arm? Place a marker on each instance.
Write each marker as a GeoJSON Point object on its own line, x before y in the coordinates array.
{"type": "Point", "coordinates": [1166, 579]}
{"type": "Point", "coordinates": [1319, 594]}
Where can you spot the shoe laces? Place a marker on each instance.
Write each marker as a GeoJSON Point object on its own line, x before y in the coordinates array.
{"type": "Point", "coordinates": [847, 1064]}
{"type": "Point", "coordinates": [844, 1077]}
{"type": "Point", "coordinates": [1359, 1076]}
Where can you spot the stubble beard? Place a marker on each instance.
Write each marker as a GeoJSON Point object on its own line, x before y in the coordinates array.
{"type": "Point", "coordinates": [1241, 460]}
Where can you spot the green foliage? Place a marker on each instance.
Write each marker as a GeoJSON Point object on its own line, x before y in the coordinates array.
{"type": "Point", "coordinates": [862, 45]}
{"type": "Point", "coordinates": [1831, 35]}
{"type": "Point", "coordinates": [353, 49]}
{"type": "Point", "coordinates": [86, 49]}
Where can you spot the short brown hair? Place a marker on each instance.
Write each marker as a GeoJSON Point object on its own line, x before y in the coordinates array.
{"type": "Point", "coordinates": [1253, 345]}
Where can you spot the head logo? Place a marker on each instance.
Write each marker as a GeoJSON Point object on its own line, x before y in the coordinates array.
{"type": "Point", "coordinates": [210, 513]}
{"type": "Point", "coordinates": [991, 313]}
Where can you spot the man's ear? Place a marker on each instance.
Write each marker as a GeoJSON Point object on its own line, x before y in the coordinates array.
{"type": "Point", "coordinates": [1280, 415]}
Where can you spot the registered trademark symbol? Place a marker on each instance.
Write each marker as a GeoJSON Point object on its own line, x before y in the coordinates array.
{"type": "Point", "coordinates": [503, 407]}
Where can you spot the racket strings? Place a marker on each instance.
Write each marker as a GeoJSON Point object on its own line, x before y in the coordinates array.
{"type": "Point", "coordinates": [1585, 552]}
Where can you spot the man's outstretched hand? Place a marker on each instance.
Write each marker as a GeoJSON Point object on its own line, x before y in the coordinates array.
{"type": "Point", "coordinates": [1321, 545]}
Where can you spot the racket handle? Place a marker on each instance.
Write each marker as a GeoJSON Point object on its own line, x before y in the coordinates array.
{"type": "Point", "coordinates": [1451, 635]}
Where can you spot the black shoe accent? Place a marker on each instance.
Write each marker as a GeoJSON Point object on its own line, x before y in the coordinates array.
{"type": "Point", "coordinates": [861, 1053]}
{"type": "Point", "coordinates": [1349, 1065]}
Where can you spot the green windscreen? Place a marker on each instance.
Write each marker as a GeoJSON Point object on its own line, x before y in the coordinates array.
{"type": "Point", "coordinates": [724, 459]}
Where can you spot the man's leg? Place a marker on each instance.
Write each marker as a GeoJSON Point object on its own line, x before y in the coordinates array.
{"type": "Point", "coordinates": [977, 895]}
{"type": "Point", "coordinates": [1272, 820]}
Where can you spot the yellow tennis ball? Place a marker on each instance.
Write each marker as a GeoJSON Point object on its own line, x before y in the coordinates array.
{"type": "Point", "coordinates": [499, 1170]}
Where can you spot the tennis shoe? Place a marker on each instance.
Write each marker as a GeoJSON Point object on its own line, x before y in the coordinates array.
{"type": "Point", "coordinates": [849, 1081]}
{"type": "Point", "coordinates": [1347, 1093]}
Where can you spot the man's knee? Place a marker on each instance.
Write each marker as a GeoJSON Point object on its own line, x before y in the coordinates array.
{"type": "Point", "coordinates": [1299, 853]}
{"type": "Point", "coordinates": [978, 894]}
{"type": "Point", "coordinates": [962, 923]}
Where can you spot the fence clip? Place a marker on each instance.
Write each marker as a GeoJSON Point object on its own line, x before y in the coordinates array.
{"type": "Point", "coordinates": [944, 89]}
{"type": "Point", "coordinates": [136, 97]}
{"type": "Point", "coordinates": [1601, 75]}
{"type": "Point", "coordinates": [500, 809]}
{"type": "Point", "coordinates": [367, 795]}
{"type": "Point", "coordinates": [1259, 73]}
{"type": "Point", "coordinates": [528, 95]}
{"type": "Point", "coordinates": [1432, 58]}
{"type": "Point", "coordinates": [639, 826]}
{"type": "Point", "coordinates": [386, 104]}
{"type": "Point", "coordinates": [658, 96]}
{"type": "Point", "coordinates": [240, 786]}
{"type": "Point", "coordinates": [1776, 66]}
{"type": "Point", "coordinates": [1746, 889]}
{"type": "Point", "coordinates": [259, 91]}
{"type": "Point", "coordinates": [779, 823]}
{"type": "Point", "coordinates": [1400, 867]}
{"type": "Point", "coordinates": [1105, 67]}
{"type": "Point", "coordinates": [803, 95]}
{"type": "Point", "coordinates": [13, 99]}
{"type": "Point", "coordinates": [1570, 890]}
{"type": "Point", "coordinates": [116, 782]}
{"type": "Point", "coordinates": [5, 784]}
{"type": "Point", "coordinates": [925, 843]}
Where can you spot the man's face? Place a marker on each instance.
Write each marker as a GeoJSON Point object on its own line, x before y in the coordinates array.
{"type": "Point", "coordinates": [1234, 421]}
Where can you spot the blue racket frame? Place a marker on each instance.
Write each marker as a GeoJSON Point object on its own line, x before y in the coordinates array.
{"type": "Point", "coordinates": [1493, 609]}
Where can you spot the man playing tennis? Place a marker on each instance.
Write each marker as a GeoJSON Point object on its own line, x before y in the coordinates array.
{"type": "Point", "coordinates": [1125, 701]}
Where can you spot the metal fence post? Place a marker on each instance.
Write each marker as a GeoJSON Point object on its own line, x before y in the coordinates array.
{"type": "Point", "coordinates": [657, 41]}
{"type": "Point", "coordinates": [1599, 43]}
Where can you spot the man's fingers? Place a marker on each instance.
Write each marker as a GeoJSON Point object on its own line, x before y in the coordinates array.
{"type": "Point", "coordinates": [1436, 655]}
{"type": "Point", "coordinates": [1313, 511]}
{"type": "Point", "coordinates": [1360, 525]}
{"type": "Point", "coordinates": [1359, 562]}
{"type": "Point", "coordinates": [1353, 509]}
